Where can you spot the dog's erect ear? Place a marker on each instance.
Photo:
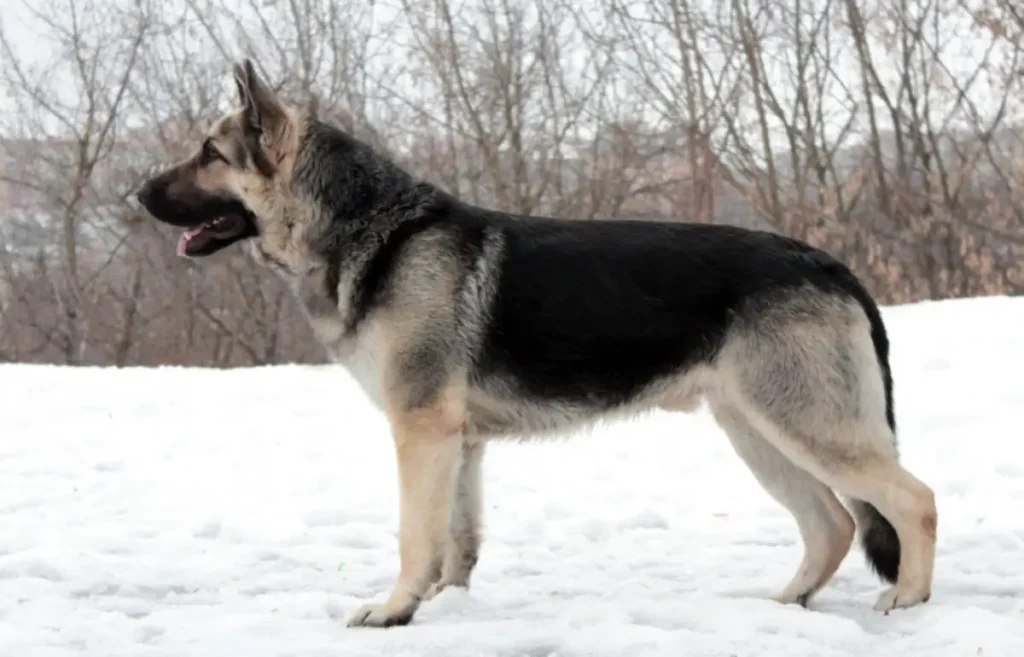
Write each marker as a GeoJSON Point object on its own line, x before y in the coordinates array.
{"type": "Point", "coordinates": [263, 110]}
{"type": "Point", "coordinates": [241, 85]}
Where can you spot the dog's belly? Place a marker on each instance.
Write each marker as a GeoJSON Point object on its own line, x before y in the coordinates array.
{"type": "Point", "coordinates": [499, 408]}
{"type": "Point", "coordinates": [497, 414]}
{"type": "Point", "coordinates": [491, 418]}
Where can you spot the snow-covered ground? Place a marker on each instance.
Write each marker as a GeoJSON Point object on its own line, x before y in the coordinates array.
{"type": "Point", "coordinates": [180, 513]}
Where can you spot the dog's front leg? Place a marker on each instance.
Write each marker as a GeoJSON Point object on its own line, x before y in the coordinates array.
{"type": "Point", "coordinates": [462, 548]}
{"type": "Point", "coordinates": [428, 444]}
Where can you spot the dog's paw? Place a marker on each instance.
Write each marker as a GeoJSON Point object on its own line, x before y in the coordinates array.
{"type": "Point", "coordinates": [385, 615]}
{"type": "Point", "coordinates": [895, 598]}
{"type": "Point", "coordinates": [787, 597]}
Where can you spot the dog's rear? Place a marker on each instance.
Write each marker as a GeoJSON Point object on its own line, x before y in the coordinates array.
{"type": "Point", "coordinates": [783, 342]}
{"type": "Point", "coordinates": [466, 325]}
{"type": "Point", "coordinates": [805, 404]}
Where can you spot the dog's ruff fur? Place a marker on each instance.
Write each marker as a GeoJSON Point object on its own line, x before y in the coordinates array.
{"type": "Point", "coordinates": [465, 324]}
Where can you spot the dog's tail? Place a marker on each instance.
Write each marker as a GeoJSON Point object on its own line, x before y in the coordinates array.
{"type": "Point", "coordinates": [877, 535]}
{"type": "Point", "coordinates": [879, 540]}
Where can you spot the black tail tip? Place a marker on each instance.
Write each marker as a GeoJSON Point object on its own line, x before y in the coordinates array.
{"type": "Point", "coordinates": [881, 544]}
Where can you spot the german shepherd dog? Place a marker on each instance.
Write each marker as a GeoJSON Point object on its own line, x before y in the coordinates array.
{"type": "Point", "coordinates": [464, 325]}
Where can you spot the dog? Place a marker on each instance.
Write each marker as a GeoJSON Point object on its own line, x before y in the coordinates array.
{"type": "Point", "coordinates": [465, 325]}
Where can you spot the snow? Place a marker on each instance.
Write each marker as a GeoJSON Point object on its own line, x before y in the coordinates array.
{"type": "Point", "coordinates": [180, 512]}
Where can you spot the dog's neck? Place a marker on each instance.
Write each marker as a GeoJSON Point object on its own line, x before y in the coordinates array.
{"type": "Point", "coordinates": [338, 210]}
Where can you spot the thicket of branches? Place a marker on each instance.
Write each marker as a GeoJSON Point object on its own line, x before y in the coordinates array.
{"type": "Point", "coordinates": [887, 131]}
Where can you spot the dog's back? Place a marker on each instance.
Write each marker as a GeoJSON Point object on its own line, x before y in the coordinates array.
{"type": "Point", "coordinates": [578, 301]}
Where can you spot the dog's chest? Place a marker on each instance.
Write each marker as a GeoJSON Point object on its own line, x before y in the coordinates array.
{"type": "Point", "coordinates": [363, 353]}
{"type": "Point", "coordinates": [365, 361]}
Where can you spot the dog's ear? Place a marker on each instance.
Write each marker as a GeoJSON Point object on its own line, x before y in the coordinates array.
{"type": "Point", "coordinates": [240, 84]}
{"type": "Point", "coordinates": [261, 106]}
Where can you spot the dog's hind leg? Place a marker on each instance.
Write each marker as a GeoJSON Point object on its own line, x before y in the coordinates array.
{"type": "Point", "coordinates": [875, 478]}
{"type": "Point", "coordinates": [462, 548]}
{"type": "Point", "coordinates": [824, 523]}
{"type": "Point", "coordinates": [811, 385]}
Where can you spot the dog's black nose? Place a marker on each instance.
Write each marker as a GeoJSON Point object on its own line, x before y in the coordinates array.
{"type": "Point", "coordinates": [145, 193]}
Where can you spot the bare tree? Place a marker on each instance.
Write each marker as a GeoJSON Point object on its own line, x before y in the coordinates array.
{"type": "Point", "coordinates": [862, 126]}
{"type": "Point", "coordinates": [70, 114]}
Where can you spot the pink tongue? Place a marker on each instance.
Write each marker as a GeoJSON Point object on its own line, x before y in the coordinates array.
{"type": "Point", "coordinates": [186, 237]}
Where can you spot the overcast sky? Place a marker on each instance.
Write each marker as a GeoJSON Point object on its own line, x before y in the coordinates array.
{"type": "Point", "coordinates": [962, 51]}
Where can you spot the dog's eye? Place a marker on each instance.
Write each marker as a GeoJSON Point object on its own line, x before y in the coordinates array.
{"type": "Point", "coordinates": [209, 154]}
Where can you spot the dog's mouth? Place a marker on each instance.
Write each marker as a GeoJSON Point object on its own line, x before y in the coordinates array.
{"type": "Point", "coordinates": [217, 234]}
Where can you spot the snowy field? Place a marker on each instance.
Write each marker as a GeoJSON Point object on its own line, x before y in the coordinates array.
{"type": "Point", "coordinates": [182, 513]}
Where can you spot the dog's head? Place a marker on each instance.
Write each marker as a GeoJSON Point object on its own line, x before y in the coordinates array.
{"type": "Point", "coordinates": [230, 189]}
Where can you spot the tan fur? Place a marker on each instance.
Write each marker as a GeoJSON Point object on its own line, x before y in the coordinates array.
{"type": "Point", "coordinates": [825, 525]}
{"type": "Point", "coordinates": [428, 445]}
{"type": "Point", "coordinates": [462, 543]}
{"type": "Point", "coordinates": [849, 450]}
{"type": "Point", "coordinates": [283, 219]}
